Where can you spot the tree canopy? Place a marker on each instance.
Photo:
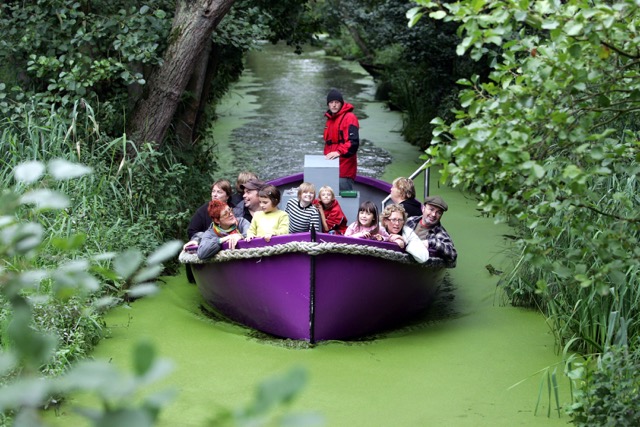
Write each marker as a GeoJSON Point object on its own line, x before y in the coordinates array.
{"type": "Point", "coordinates": [144, 62]}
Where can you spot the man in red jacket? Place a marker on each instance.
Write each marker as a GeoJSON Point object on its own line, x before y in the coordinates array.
{"type": "Point", "coordinates": [341, 138]}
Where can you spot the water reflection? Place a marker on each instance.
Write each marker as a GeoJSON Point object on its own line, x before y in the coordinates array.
{"type": "Point", "coordinates": [288, 121]}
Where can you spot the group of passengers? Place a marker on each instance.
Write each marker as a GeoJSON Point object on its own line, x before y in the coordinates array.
{"type": "Point", "coordinates": [252, 212]}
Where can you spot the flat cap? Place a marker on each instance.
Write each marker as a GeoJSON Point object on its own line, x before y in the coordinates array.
{"type": "Point", "coordinates": [253, 185]}
{"type": "Point", "coordinates": [436, 201]}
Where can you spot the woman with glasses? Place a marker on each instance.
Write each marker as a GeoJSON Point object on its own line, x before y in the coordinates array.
{"type": "Point", "coordinates": [393, 219]}
{"type": "Point", "coordinates": [201, 221]}
{"type": "Point", "coordinates": [225, 227]}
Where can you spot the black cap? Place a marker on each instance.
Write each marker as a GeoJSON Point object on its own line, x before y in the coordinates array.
{"type": "Point", "coordinates": [334, 95]}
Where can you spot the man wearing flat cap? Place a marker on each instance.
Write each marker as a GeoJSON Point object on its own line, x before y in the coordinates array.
{"type": "Point", "coordinates": [250, 201]}
{"type": "Point", "coordinates": [431, 231]}
{"type": "Point", "coordinates": [341, 138]}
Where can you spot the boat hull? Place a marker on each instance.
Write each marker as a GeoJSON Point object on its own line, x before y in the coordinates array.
{"type": "Point", "coordinates": [318, 297]}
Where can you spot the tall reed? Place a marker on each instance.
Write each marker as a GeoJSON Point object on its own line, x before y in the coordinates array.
{"type": "Point", "coordinates": [601, 280]}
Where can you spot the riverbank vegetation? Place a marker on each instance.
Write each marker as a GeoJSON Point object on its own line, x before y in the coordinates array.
{"type": "Point", "coordinates": [536, 107]}
{"type": "Point", "coordinates": [549, 143]}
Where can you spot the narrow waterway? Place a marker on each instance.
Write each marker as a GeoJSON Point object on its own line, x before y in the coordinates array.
{"type": "Point", "coordinates": [476, 363]}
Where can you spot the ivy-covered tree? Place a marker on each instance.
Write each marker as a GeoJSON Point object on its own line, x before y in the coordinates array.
{"type": "Point", "coordinates": [549, 143]}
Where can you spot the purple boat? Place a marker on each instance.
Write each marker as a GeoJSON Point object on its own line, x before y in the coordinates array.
{"type": "Point", "coordinates": [317, 286]}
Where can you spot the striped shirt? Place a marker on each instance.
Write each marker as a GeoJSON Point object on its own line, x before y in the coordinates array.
{"type": "Point", "coordinates": [301, 219]}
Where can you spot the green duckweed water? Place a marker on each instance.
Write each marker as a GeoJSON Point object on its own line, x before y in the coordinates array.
{"type": "Point", "coordinates": [458, 369]}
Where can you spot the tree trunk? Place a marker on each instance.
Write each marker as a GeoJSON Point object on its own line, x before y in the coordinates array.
{"type": "Point", "coordinates": [187, 115]}
{"type": "Point", "coordinates": [193, 24]}
{"type": "Point", "coordinates": [213, 66]}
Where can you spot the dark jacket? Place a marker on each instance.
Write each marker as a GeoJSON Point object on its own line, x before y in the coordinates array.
{"type": "Point", "coordinates": [412, 206]}
{"type": "Point", "coordinates": [200, 222]}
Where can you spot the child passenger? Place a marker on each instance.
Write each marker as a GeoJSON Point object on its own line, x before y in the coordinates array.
{"type": "Point", "coordinates": [367, 227]}
{"type": "Point", "coordinates": [302, 213]}
{"type": "Point", "coordinates": [333, 219]}
{"type": "Point", "coordinates": [269, 221]}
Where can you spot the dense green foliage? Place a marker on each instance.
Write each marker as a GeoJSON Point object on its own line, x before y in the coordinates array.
{"type": "Point", "coordinates": [549, 143]}
{"type": "Point", "coordinates": [608, 389]}
{"type": "Point", "coordinates": [38, 293]}
{"type": "Point", "coordinates": [120, 206]}
{"type": "Point", "coordinates": [55, 52]}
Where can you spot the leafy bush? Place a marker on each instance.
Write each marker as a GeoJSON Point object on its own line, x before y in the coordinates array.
{"type": "Point", "coordinates": [120, 206]}
{"type": "Point", "coordinates": [608, 389]}
{"type": "Point", "coordinates": [41, 302]}
{"type": "Point", "coordinates": [549, 143]}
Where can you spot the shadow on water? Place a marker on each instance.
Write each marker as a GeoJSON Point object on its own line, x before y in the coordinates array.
{"type": "Point", "coordinates": [442, 310]}
{"type": "Point", "coordinates": [288, 122]}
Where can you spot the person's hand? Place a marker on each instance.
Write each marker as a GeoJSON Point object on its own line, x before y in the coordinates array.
{"type": "Point", "coordinates": [332, 155]}
{"type": "Point", "coordinates": [366, 235]}
{"type": "Point", "coordinates": [248, 239]}
{"type": "Point", "coordinates": [190, 244]}
{"type": "Point", "coordinates": [233, 240]}
{"type": "Point", "coordinates": [267, 237]}
{"type": "Point", "coordinates": [379, 237]}
{"type": "Point", "coordinates": [398, 240]}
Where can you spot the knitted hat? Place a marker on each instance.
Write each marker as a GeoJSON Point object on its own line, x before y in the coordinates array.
{"type": "Point", "coordinates": [436, 201]}
{"type": "Point", "coordinates": [334, 95]}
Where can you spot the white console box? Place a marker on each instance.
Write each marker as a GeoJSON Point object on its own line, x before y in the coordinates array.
{"type": "Point", "coordinates": [320, 172]}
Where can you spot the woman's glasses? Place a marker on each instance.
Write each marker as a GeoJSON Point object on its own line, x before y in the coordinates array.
{"type": "Point", "coordinates": [396, 220]}
{"type": "Point", "coordinates": [226, 213]}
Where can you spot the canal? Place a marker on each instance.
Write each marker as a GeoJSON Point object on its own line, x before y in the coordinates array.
{"type": "Point", "coordinates": [474, 362]}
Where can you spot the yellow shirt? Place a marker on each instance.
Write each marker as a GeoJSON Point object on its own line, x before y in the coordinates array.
{"type": "Point", "coordinates": [274, 223]}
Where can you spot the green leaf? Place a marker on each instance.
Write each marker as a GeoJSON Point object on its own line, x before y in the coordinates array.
{"type": "Point", "coordinates": [128, 262]}
{"type": "Point", "coordinates": [69, 243]}
{"type": "Point", "coordinates": [277, 390]}
{"type": "Point", "coordinates": [573, 28]}
{"type": "Point", "coordinates": [45, 199]}
{"type": "Point", "coordinates": [575, 50]}
{"type": "Point", "coordinates": [143, 290]}
{"type": "Point", "coordinates": [164, 252]}
{"type": "Point", "coordinates": [440, 14]}
{"type": "Point", "coordinates": [413, 20]}
{"type": "Point", "coordinates": [144, 355]}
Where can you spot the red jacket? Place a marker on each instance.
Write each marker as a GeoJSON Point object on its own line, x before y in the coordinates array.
{"type": "Point", "coordinates": [336, 219]}
{"type": "Point", "coordinates": [341, 135]}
